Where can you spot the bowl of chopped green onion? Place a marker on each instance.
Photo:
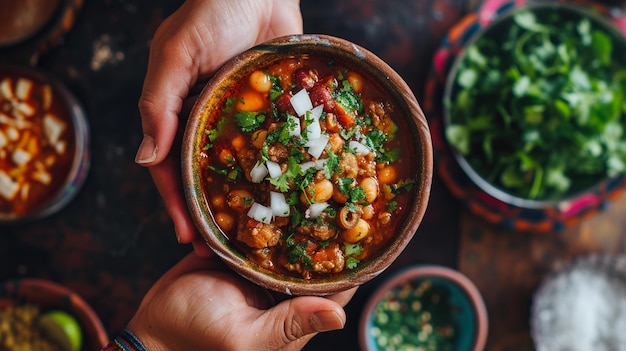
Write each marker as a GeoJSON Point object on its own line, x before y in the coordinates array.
{"type": "Point", "coordinates": [425, 307]}
{"type": "Point", "coordinates": [533, 106]}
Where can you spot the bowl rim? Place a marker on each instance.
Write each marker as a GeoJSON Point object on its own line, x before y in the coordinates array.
{"type": "Point", "coordinates": [425, 271]}
{"type": "Point", "coordinates": [383, 74]}
{"type": "Point", "coordinates": [498, 193]}
{"type": "Point", "coordinates": [81, 161]}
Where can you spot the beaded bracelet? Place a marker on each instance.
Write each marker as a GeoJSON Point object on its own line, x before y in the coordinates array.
{"type": "Point", "coordinates": [126, 341]}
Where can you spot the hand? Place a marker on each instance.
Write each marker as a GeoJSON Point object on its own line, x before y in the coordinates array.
{"type": "Point", "coordinates": [200, 304]}
{"type": "Point", "coordinates": [188, 47]}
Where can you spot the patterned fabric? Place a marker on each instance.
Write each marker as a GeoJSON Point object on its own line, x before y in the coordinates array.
{"type": "Point", "coordinates": [126, 341]}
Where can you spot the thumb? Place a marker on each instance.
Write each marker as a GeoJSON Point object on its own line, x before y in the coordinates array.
{"type": "Point", "coordinates": [300, 317]}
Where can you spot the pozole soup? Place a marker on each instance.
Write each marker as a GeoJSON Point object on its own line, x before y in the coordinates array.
{"type": "Point", "coordinates": [306, 168]}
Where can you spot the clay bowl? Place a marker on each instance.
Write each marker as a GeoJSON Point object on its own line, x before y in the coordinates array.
{"type": "Point", "coordinates": [412, 121]}
{"type": "Point", "coordinates": [48, 295]}
{"type": "Point", "coordinates": [451, 300]}
{"type": "Point", "coordinates": [44, 145]}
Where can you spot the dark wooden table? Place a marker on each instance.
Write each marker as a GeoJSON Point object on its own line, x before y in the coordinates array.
{"type": "Point", "coordinates": [115, 238]}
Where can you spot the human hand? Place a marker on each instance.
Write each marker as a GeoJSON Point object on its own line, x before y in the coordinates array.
{"type": "Point", "coordinates": [200, 304]}
{"type": "Point", "coordinates": [187, 48]}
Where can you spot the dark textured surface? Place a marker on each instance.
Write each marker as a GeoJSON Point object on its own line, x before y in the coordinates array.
{"type": "Point", "coordinates": [115, 238]}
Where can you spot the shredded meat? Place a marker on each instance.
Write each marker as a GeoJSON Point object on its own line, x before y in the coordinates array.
{"type": "Point", "coordinates": [258, 235]}
{"type": "Point", "coordinates": [247, 159]}
{"type": "Point", "coordinates": [278, 152]}
{"type": "Point", "coordinates": [328, 259]}
{"type": "Point", "coordinates": [336, 143]}
{"type": "Point", "coordinates": [366, 165]}
{"type": "Point", "coordinates": [323, 260]}
{"type": "Point", "coordinates": [320, 231]}
{"type": "Point", "coordinates": [348, 165]}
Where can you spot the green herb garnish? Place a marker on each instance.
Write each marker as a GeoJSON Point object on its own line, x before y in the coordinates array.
{"type": "Point", "coordinates": [537, 107]}
{"type": "Point", "coordinates": [249, 121]}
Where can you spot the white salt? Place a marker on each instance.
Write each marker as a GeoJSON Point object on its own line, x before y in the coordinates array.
{"type": "Point", "coordinates": [582, 310]}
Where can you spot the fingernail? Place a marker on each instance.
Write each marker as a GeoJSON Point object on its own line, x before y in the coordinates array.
{"type": "Point", "coordinates": [147, 150]}
{"type": "Point", "coordinates": [326, 320]}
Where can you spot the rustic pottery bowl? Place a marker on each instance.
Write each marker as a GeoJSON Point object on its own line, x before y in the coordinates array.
{"type": "Point", "coordinates": [48, 295]}
{"type": "Point", "coordinates": [260, 56]}
{"type": "Point", "coordinates": [423, 304]}
{"type": "Point", "coordinates": [461, 171]}
{"type": "Point", "coordinates": [46, 124]}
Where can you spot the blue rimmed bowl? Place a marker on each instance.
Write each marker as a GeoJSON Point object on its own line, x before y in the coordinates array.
{"type": "Point", "coordinates": [425, 304]}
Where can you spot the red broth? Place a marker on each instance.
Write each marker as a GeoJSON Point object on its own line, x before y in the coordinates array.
{"type": "Point", "coordinates": [37, 143]}
{"type": "Point", "coordinates": [312, 193]}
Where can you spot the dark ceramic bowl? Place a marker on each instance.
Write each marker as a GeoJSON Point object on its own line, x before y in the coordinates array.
{"type": "Point", "coordinates": [476, 166]}
{"type": "Point", "coordinates": [48, 295]}
{"type": "Point", "coordinates": [451, 300]}
{"type": "Point", "coordinates": [260, 56]}
{"type": "Point", "coordinates": [52, 176]}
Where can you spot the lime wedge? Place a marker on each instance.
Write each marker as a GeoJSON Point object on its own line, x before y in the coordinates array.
{"type": "Point", "coordinates": [62, 328]}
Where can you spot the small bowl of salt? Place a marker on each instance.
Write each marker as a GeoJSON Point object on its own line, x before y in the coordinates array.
{"type": "Point", "coordinates": [582, 306]}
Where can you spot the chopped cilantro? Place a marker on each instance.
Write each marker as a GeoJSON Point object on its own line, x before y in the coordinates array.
{"type": "Point", "coordinates": [231, 174]}
{"type": "Point", "coordinates": [375, 139]}
{"type": "Point", "coordinates": [275, 90]}
{"type": "Point", "coordinates": [249, 121]}
{"type": "Point", "coordinates": [283, 182]}
{"type": "Point", "coordinates": [357, 194]}
{"type": "Point", "coordinates": [331, 166]}
{"type": "Point", "coordinates": [219, 171]}
{"type": "Point", "coordinates": [537, 108]}
{"type": "Point", "coordinates": [403, 185]}
{"type": "Point", "coordinates": [353, 249]}
{"type": "Point", "coordinates": [350, 251]}
{"type": "Point", "coordinates": [215, 132]}
{"type": "Point", "coordinates": [347, 98]}
{"type": "Point", "coordinates": [352, 263]}
{"type": "Point", "coordinates": [296, 253]}
{"type": "Point", "coordinates": [345, 184]}
{"type": "Point", "coordinates": [388, 156]}
{"type": "Point", "coordinates": [391, 206]}
{"type": "Point", "coordinates": [347, 133]}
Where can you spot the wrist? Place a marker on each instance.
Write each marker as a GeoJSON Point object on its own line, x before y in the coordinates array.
{"type": "Point", "coordinates": [146, 334]}
{"type": "Point", "coordinates": [125, 341]}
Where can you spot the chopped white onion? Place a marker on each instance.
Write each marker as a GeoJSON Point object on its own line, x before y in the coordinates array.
{"type": "Point", "coordinates": [279, 205]}
{"type": "Point", "coordinates": [315, 210]}
{"type": "Point", "coordinates": [8, 188]}
{"type": "Point", "coordinates": [6, 90]}
{"type": "Point", "coordinates": [273, 169]}
{"type": "Point", "coordinates": [306, 165]}
{"type": "Point", "coordinates": [260, 213]}
{"type": "Point", "coordinates": [319, 164]}
{"type": "Point", "coordinates": [23, 88]}
{"type": "Point", "coordinates": [316, 112]}
{"type": "Point", "coordinates": [21, 157]}
{"type": "Point", "coordinates": [358, 147]}
{"type": "Point", "coordinates": [301, 102]}
{"type": "Point", "coordinates": [258, 172]}
{"type": "Point", "coordinates": [317, 146]}
{"type": "Point", "coordinates": [313, 129]}
{"type": "Point", "coordinates": [53, 127]}
{"type": "Point", "coordinates": [294, 125]}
